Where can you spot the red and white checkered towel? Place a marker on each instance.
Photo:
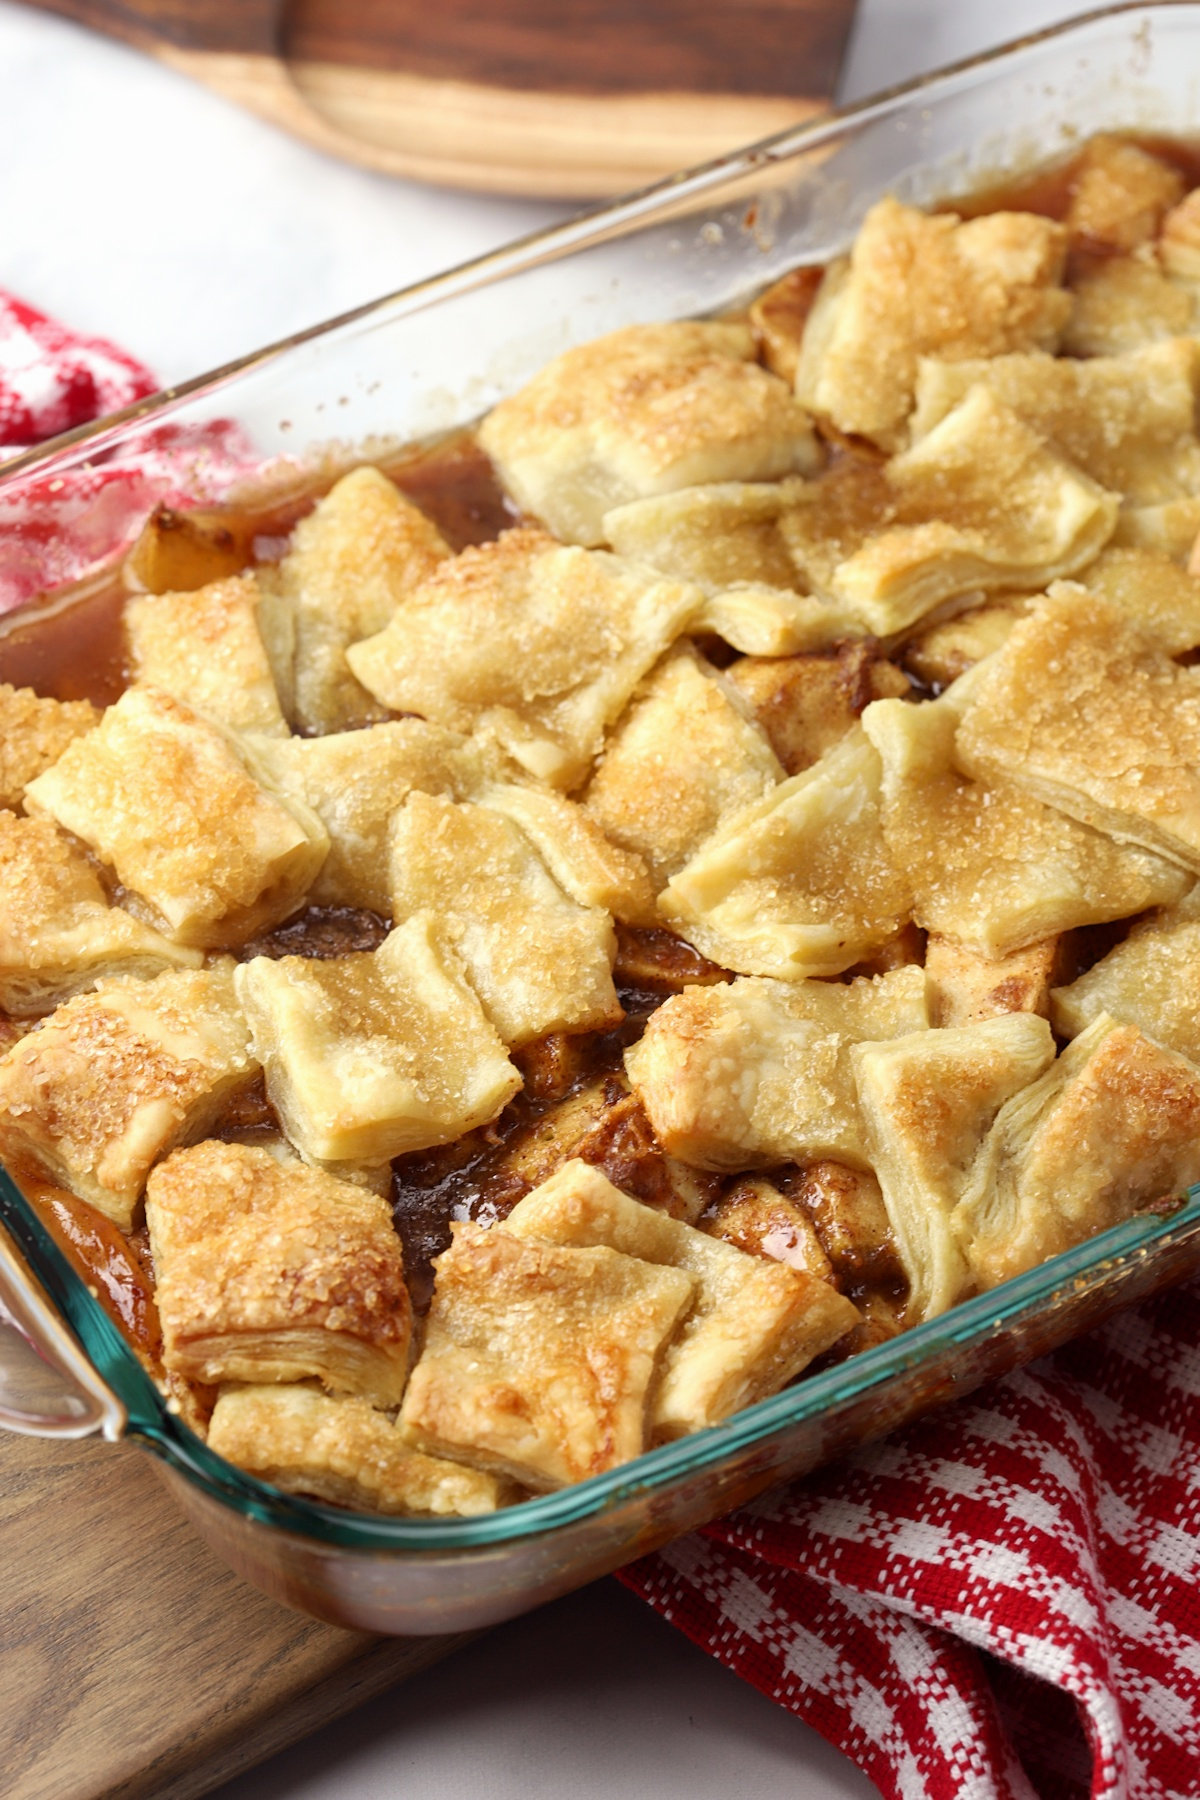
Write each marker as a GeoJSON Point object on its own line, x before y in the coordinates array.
{"type": "Point", "coordinates": [1000, 1602]}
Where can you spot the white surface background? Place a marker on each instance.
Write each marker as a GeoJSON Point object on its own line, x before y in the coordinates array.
{"type": "Point", "coordinates": [137, 205]}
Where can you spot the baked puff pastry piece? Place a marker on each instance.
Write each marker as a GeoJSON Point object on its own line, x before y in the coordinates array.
{"type": "Point", "coordinates": [539, 1361]}
{"type": "Point", "coordinates": [374, 1054]}
{"type": "Point", "coordinates": [164, 797]}
{"type": "Point", "coordinates": [799, 882]}
{"type": "Point", "coordinates": [925, 284]}
{"type": "Point", "coordinates": [752, 1325]}
{"type": "Point", "coordinates": [354, 781]}
{"type": "Point", "coordinates": [539, 644]}
{"type": "Point", "coordinates": [344, 1452]}
{"type": "Point", "coordinates": [33, 735]}
{"type": "Point", "coordinates": [273, 1272]}
{"type": "Point", "coordinates": [644, 410]}
{"type": "Point", "coordinates": [1082, 711]}
{"type": "Point", "coordinates": [1111, 1127]}
{"type": "Point", "coordinates": [681, 759]}
{"type": "Point", "coordinates": [1152, 980]}
{"type": "Point", "coordinates": [758, 1073]}
{"type": "Point", "coordinates": [58, 933]}
{"type": "Point", "coordinates": [588, 865]}
{"type": "Point", "coordinates": [1128, 422]}
{"type": "Point", "coordinates": [115, 1079]}
{"type": "Point", "coordinates": [1119, 195]}
{"type": "Point", "coordinates": [352, 561]}
{"type": "Point", "coordinates": [989, 864]}
{"type": "Point", "coordinates": [1125, 302]}
{"type": "Point", "coordinates": [538, 960]}
{"type": "Point", "coordinates": [725, 538]}
{"type": "Point", "coordinates": [980, 503]}
{"type": "Point", "coordinates": [927, 1103]}
{"type": "Point", "coordinates": [217, 649]}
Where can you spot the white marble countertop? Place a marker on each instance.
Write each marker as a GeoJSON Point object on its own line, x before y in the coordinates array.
{"type": "Point", "coordinates": [137, 205]}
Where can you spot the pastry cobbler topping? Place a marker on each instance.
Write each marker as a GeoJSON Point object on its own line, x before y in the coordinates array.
{"type": "Point", "coordinates": [671, 890]}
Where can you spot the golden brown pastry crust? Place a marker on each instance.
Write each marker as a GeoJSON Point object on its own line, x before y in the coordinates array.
{"type": "Point", "coordinates": [1111, 1127]}
{"type": "Point", "coordinates": [115, 1079]}
{"type": "Point", "coordinates": [1151, 980]}
{"type": "Point", "coordinates": [539, 1361]}
{"type": "Point", "coordinates": [58, 933]}
{"type": "Point", "coordinates": [590, 867]}
{"type": "Point", "coordinates": [269, 1271]}
{"type": "Point", "coordinates": [538, 960]}
{"type": "Point", "coordinates": [800, 882]}
{"type": "Point", "coordinates": [644, 410]}
{"type": "Point", "coordinates": [758, 1073]}
{"type": "Point", "coordinates": [927, 1103]}
{"type": "Point", "coordinates": [752, 1324]}
{"type": "Point", "coordinates": [1119, 195]}
{"type": "Point", "coordinates": [356, 556]}
{"type": "Point", "coordinates": [344, 1452]}
{"type": "Point", "coordinates": [371, 1055]}
{"type": "Point", "coordinates": [682, 758]}
{"type": "Point", "coordinates": [988, 863]}
{"type": "Point", "coordinates": [206, 648]}
{"type": "Point", "coordinates": [162, 796]}
{"type": "Point", "coordinates": [1083, 712]}
{"type": "Point", "coordinates": [919, 284]}
{"type": "Point", "coordinates": [539, 644]}
{"type": "Point", "coordinates": [33, 735]}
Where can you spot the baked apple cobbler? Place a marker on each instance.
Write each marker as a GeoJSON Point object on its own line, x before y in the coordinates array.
{"type": "Point", "coordinates": [523, 957]}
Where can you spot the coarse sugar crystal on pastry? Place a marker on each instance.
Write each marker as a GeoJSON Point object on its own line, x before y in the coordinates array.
{"type": "Point", "coordinates": [163, 796]}
{"type": "Point", "coordinates": [538, 961]}
{"type": "Point", "coordinates": [209, 649]}
{"type": "Point", "coordinates": [807, 704]}
{"type": "Point", "coordinates": [918, 284]}
{"type": "Point", "coordinates": [758, 1073]}
{"type": "Point", "coordinates": [682, 758]}
{"type": "Point", "coordinates": [374, 1054]}
{"type": "Point", "coordinates": [540, 1361]}
{"type": "Point", "coordinates": [1158, 597]}
{"type": "Point", "coordinates": [538, 643]}
{"type": "Point", "coordinates": [34, 732]}
{"type": "Point", "coordinates": [1119, 195]}
{"type": "Point", "coordinates": [1151, 980]}
{"type": "Point", "coordinates": [725, 538]}
{"type": "Point", "coordinates": [1128, 422]}
{"type": "Point", "coordinates": [351, 562]}
{"type": "Point", "coordinates": [345, 1452]}
{"type": "Point", "coordinates": [981, 504]}
{"type": "Point", "coordinates": [1111, 1127]}
{"type": "Point", "coordinates": [270, 1271]}
{"type": "Point", "coordinates": [1084, 712]}
{"type": "Point", "coordinates": [799, 882]}
{"type": "Point", "coordinates": [1121, 303]}
{"type": "Point", "coordinates": [988, 863]}
{"type": "Point", "coordinates": [752, 1326]}
{"type": "Point", "coordinates": [115, 1079]}
{"type": "Point", "coordinates": [588, 865]}
{"type": "Point", "coordinates": [354, 781]}
{"type": "Point", "coordinates": [58, 932]}
{"type": "Point", "coordinates": [927, 1102]}
{"type": "Point", "coordinates": [644, 410]}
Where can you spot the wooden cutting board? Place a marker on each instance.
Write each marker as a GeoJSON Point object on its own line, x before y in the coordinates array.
{"type": "Point", "coordinates": [133, 1664]}
{"type": "Point", "coordinates": [552, 97]}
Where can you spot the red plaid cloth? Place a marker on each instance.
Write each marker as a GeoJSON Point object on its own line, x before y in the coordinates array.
{"type": "Point", "coordinates": [55, 529]}
{"type": "Point", "coordinates": [997, 1603]}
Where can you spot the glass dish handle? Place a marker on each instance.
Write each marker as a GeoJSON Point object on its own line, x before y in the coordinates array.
{"type": "Point", "coordinates": [47, 1386]}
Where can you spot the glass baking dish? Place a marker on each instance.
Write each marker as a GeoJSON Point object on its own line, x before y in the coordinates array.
{"type": "Point", "coordinates": [424, 361]}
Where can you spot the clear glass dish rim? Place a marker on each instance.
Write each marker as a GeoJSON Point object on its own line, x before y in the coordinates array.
{"type": "Point", "coordinates": [972, 1321]}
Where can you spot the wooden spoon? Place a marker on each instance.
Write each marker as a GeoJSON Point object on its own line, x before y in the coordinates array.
{"type": "Point", "coordinates": [552, 97]}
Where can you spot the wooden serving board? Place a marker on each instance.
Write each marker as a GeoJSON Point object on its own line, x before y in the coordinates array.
{"type": "Point", "coordinates": [553, 97]}
{"type": "Point", "coordinates": [133, 1664]}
